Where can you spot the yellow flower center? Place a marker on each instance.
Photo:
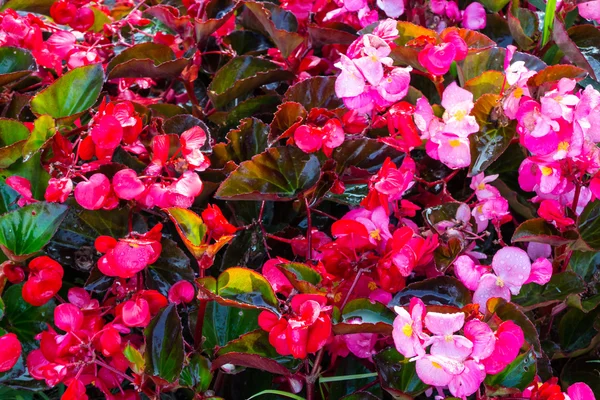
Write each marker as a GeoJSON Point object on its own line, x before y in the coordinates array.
{"type": "Point", "coordinates": [481, 186]}
{"type": "Point", "coordinates": [436, 365]}
{"type": "Point", "coordinates": [518, 93]}
{"type": "Point", "coordinates": [563, 146]}
{"type": "Point", "coordinates": [499, 282]}
{"type": "Point", "coordinates": [454, 142]}
{"type": "Point", "coordinates": [375, 234]}
{"type": "Point", "coordinates": [460, 115]}
{"type": "Point", "coordinates": [546, 171]}
{"type": "Point", "coordinates": [338, 297]}
{"type": "Point", "coordinates": [448, 338]}
{"type": "Point", "coordinates": [407, 330]}
{"type": "Point", "coordinates": [372, 285]}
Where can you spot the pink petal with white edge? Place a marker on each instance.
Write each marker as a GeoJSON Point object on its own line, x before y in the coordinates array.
{"type": "Point", "coordinates": [490, 286]}
{"type": "Point", "coordinates": [482, 337]}
{"type": "Point", "coordinates": [350, 82]}
{"type": "Point", "coordinates": [541, 271]}
{"type": "Point", "coordinates": [467, 272]}
{"type": "Point", "coordinates": [512, 265]}
{"type": "Point", "coordinates": [454, 95]}
{"type": "Point", "coordinates": [467, 383]}
{"type": "Point", "coordinates": [579, 390]}
{"type": "Point", "coordinates": [371, 68]}
{"type": "Point", "coordinates": [437, 371]}
{"type": "Point", "coordinates": [456, 347]}
{"type": "Point", "coordinates": [444, 324]}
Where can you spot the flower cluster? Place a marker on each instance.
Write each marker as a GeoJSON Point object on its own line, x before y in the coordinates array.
{"type": "Point", "coordinates": [446, 359]}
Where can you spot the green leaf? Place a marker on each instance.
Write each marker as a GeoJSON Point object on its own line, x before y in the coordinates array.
{"type": "Point", "coordinates": [223, 324]}
{"type": "Point", "coordinates": [164, 345]}
{"type": "Point", "coordinates": [523, 25]}
{"type": "Point", "coordinates": [582, 369]}
{"type": "Point", "coordinates": [36, 6]}
{"type": "Point", "coordinates": [588, 225]}
{"type": "Point", "coordinates": [23, 319]}
{"type": "Point", "coordinates": [289, 115]}
{"type": "Point", "coordinates": [280, 173]}
{"type": "Point", "coordinates": [490, 82]}
{"type": "Point", "coordinates": [8, 198]}
{"type": "Point", "coordinates": [254, 350]}
{"type": "Point", "coordinates": [365, 153]}
{"type": "Point", "coordinates": [494, 5]}
{"type": "Point", "coordinates": [275, 22]}
{"type": "Point", "coordinates": [72, 93]}
{"type": "Point", "coordinates": [397, 375]}
{"type": "Point", "coordinates": [13, 136]}
{"type": "Point", "coordinates": [576, 329]}
{"type": "Point", "coordinates": [197, 374]}
{"type": "Point", "coordinates": [374, 317]}
{"type": "Point", "coordinates": [111, 223]}
{"type": "Point", "coordinates": [494, 135]}
{"type": "Point", "coordinates": [518, 374]}
{"type": "Point", "coordinates": [146, 60]}
{"type": "Point", "coordinates": [27, 230]}
{"type": "Point", "coordinates": [315, 92]}
{"type": "Point", "coordinates": [191, 229]}
{"type": "Point", "coordinates": [217, 13]}
{"type": "Point", "coordinates": [548, 21]}
{"type": "Point", "coordinates": [172, 266]}
{"type": "Point", "coordinates": [571, 49]}
{"type": "Point", "coordinates": [477, 63]}
{"type": "Point", "coordinates": [240, 76]}
{"type": "Point", "coordinates": [587, 40]}
{"type": "Point", "coordinates": [15, 63]}
{"type": "Point", "coordinates": [135, 358]}
{"type": "Point", "coordinates": [301, 272]}
{"type": "Point", "coordinates": [560, 286]}
{"type": "Point", "coordinates": [443, 291]}
{"type": "Point", "coordinates": [539, 231]}
{"type": "Point", "coordinates": [332, 33]}
{"type": "Point", "coordinates": [240, 287]}
{"type": "Point", "coordinates": [584, 263]}
{"type": "Point", "coordinates": [43, 129]}
{"type": "Point", "coordinates": [33, 171]}
{"type": "Point", "coordinates": [243, 143]}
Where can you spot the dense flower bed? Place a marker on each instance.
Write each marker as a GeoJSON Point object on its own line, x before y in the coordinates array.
{"type": "Point", "coordinates": [358, 199]}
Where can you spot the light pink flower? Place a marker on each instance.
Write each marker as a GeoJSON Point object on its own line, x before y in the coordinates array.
{"type": "Point", "coordinates": [192, 142]}
{"type": "Point", "coordinates": [444, 342]}
{"type": "Point", "coordinates": [350, 82]}
{"type": "Point", "coordinates": [392, 8]}
{"type": "Point", "coordinates": [483, 191]}
{"type": "Point", "coordinates": [468, 381]}
{"type": "Point", "coordinates": [541, 271]}
{"type": "Point", "coordinates": [408, 329]}
{"type": "Point", "coordinates": [468, 272]}
{"type": "Point", "coordinates": [438, 370]}
{"type": "Point", "coordinates": [458, 104]}
{"type": "Point", "coordinates": [376, 221]}
{"type": "Point", "coordinates": [482, 337]}
{"type": "Point", "coordinates": [473, 17]}
{"type": "Point", "coordinates": [580, 390]}
{"type": "Point", "coordinates": [590, 10]}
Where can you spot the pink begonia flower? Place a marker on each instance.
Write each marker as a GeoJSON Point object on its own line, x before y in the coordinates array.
{"type": "Point", "coordinates": [394, 85]}
{"type": "Point", "coordinates": [538, 250]}
{"type": "Point", "coordinates": [373, 59]}
{"type": "Point", "coordinates": [458, 104]}
{"type": "Point", "coordinates": [127, 185]}
{"type": "Point", "coordinates": [437, 58]}
{"type": "Point", "coordinates": [312, 138]}
{"type": "Point", "coordinates": [438, 6]}
{"type": "Point", "coordinates": [183, 191]}
{"type": "Point", "coordinates": [542, 178]}
{"type": "Point", "coordinates": [453, 151]}
{"type": "Point", "coordinates": [23, 187]}
{"type": "Point", "coordinates": [107, 132]}
{"type": "Point", "coordinates": [377, 222]}
{"type": "Point", "coordinates": [541, 271]}
{"type": "Point", "coordinates": [555, 213]}
{"type": "Point", "coordinates": [482, 337]}
{"type": "Point", "coordinates": [136, 313]}
{"type": "Point", "coordinates": [494, 209]}
{"type": "Point", "coordinates": [423, 115]}
{"type": "Point", "coordinates": [468, 272]}
{"type": "Point", "coordinates": [408, 329]}
{"type": "Point", "coordinates": [444, 342]}
{"type": "Point", "coordinates": [468, 381]}
{"type": "Point", "coordinates": [452, 11]}
{"type": "Point", "coordinates": [391, 8]}
{"type": "Point", "coordinates": [354, 5]}
{"type": "Point", "coordinates": [279, 282]}
{"type": "Point", "coordinates": [509, 340]}
{"type": "Point", "coordinates": [392, 181]}
{"type": "Point", "coordinates": [483, 191]}
{"type": "Point", "coordinates": [387, 29]}
{"type": "Point", "coordinates": [474, 17]}
{"type": "Point", "coordinates": [362, 345]}
{"type": "Point", "coordinates": [61, 43]}
{"type": "Point", "coordinates": [438, 370]}
{"type": "Point", "coordinates": [512, 269]}
{"type": "Point", "coordinates": [192, 141]}
{"type": "Point", "coordinates": [590, 10]}
{"type": "Point", "coordinates": [58, 189]}
{"type": "Point", "coordinates": [350, 82]}
{"type": "Point", "coordinates": [92, 194]}
{"type": "Point", "coordinates": [580, 390]}
{"type": "Point", "coordinates": [559, 102]}
{"type": "Point", "coordinates": [181, 292]}
{"type": "Point", "coordinates": [533, 121]}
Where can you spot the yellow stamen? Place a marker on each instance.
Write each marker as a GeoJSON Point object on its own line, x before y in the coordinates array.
{"type": "Point", "coordinates": [448, 338]}
{"type": "Point", "coordinates": [460, 115]}
{"type": "Point", "coordinates": [563, 146]}
{"type": "Point", "coordinates": [518, 93]}
{"type": "Point", "coordinates": [454, 142]}
{"type": "Point", "coordinates": [375, 234]}
{"type": "Point", "coordinates": [372, 285]}
{"type": "Point", "coordinates": [407, 330]}
{"type": "Point", "coordinates": [499, 282]}
{"type": "Point", "coordinates": [436, 365]}
{"type": "Point", "coordinates": [546, 171]}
